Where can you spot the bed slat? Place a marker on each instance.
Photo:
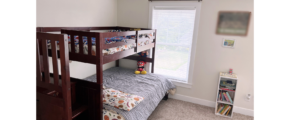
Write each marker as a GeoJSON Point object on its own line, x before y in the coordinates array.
{"type": "Point", "coordinates": [72, 39]}
{"type": "Point", "coordinates": [153, 52]}
{"type": "Point", "coordinates": [89, 45]}
{"type": "Point", "coordinates": [45, 61]}
{"type": "Point", "coordinates": [81, 44]}
{"type": "Point", "coordinates": [54, 62]}
{"type": "Point", "coordinates": [38, 65]}
{"type": "Point", "coordinates": [72, 43]}
{"type": "Point", "coordinates": [136, 41]}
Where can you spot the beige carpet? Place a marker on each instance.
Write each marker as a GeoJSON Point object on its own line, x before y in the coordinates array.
{"type": "Point", "coordinates": [179, 110]}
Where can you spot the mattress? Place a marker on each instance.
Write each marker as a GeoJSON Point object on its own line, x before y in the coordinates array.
{"type": "Point", "coordinates": [150, 86]}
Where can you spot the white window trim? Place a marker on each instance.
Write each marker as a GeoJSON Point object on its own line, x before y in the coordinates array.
{"type": "Point", "coordinates": [181, 84]}
{"type": "Point", "coordinates": [179, 5]}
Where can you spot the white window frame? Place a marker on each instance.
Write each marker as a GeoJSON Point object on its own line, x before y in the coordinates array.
{"type": "Point", "coordinates": [180, 5]}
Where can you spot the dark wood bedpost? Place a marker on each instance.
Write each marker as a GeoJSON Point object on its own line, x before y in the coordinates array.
{"type": "Point", "coordinates": [136, 41]}
{"type": "Point", "coordinates": [99, 65]}
{"type": "Point", "coordinates": [153, 53]}
{"type": "Point", "coordinates": [66, 86]}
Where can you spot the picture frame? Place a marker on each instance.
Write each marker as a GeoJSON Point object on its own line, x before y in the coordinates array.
{"type": "Point", "coordinates": [233, 23]}
{"type": "Point", "coordinates": [228, 43]}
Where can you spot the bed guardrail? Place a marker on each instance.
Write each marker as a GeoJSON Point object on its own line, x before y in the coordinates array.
{"type": "Point", "coordinates": [99, 45]}
{"type": "Point", "coordinates": [143, 39]}
{"type": "Point", "coordinates": [108, 35]}
{"type": "Point", "coordinates": [79, 55]}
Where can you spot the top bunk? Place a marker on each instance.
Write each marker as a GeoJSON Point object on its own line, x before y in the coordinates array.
{"type": "Point", "coordinates": [101, 45]}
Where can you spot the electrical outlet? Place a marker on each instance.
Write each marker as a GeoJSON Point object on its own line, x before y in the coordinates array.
{"type": "Point", "coordinates": [248, 97]}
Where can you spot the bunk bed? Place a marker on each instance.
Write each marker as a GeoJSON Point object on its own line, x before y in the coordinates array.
{"type": "Point", "coordinates": [83, 98]}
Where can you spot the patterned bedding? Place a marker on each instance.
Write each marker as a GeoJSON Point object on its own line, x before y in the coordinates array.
{"type": "Point", "coordinates": [150, 86]}
{"type": "Point", "coordinates": [120, 99]}
{"type": "Point", "coordinates": [105, 51]}
{"type": "Point", "coordinates": [111, 115]}
{"type": "Point", "coordinates": [107, 41]}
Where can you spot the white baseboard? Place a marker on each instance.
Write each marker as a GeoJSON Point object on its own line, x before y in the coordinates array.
{"type": "Point", "coordinates": [208, 103]}
{"type": "Point", "coordinates": [193, 100]}
{"type": "Point", "coordinates": [244, 111]}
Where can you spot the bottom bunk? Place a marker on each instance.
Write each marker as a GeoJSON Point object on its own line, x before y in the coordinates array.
{"type": "Point", "coordinates": [150, 86]}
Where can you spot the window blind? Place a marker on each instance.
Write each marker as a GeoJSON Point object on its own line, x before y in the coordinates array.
{"type": "Point", "coordinates": [174, 41]}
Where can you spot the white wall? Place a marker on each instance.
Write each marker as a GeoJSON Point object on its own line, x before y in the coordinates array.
{"type": "Point", "coordinates": [73, 13]}
{"type": "Point", "coordinates": [79, 69]}
{"type": "Point", "coordinates": [132, 13]}
{"type": "Point", "coordinates": [210, 57]}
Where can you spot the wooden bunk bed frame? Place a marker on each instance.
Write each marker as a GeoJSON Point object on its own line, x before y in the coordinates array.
{"type": "Point", "coordinates": [85, 100]}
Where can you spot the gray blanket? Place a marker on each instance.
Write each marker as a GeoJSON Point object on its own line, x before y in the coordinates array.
{"type": "Point", "coordinates": [150, 86]}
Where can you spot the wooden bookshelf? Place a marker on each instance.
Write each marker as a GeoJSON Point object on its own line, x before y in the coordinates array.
{"type": "Point", "coordinates": [224, 77]}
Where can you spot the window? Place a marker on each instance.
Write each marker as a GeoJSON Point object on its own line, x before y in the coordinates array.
{"type": "Point", "coordinates": [175, 46]}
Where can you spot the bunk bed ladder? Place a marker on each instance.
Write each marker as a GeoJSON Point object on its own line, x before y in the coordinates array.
{"type": "Point", "coordinates": [54, 102]}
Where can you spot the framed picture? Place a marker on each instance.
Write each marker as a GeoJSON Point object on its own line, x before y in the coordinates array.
{"type": "Point", "coordinates": [233, 23]}
{"type": "Point", "coordinates": [228, 43]}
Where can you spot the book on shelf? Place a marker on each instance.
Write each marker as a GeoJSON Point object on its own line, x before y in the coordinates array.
{"type": "Point", "coordinates": [223, 108]}
{"type": "Point", "coordinates": [227, 99]}
{"type": "Point", "coordinates": [227, 89]}
{"type": "Point", "coordinates": [229, 110]}
{"type": "Point", "coordinates": [219, 108]}
{"type": "Point", "coordinates": [230, 99]}
{"type": "Point", "coordinates": [227, 83]}
{"type": "Point", "coordinates": [224, 96]}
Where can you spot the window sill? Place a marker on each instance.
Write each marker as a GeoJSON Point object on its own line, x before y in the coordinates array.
{"type": "Point", "coordinates": [181, 84]}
